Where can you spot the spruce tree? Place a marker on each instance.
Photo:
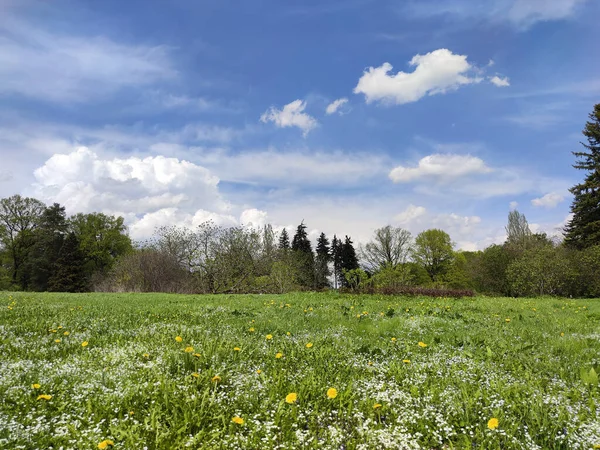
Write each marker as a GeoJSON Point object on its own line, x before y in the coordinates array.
{"type": "Point", "coordinates": [349, 260]}
{"type": "Point", "coordinates": [583, 230]}
{"type": "Point", "coordinates": [336, 256]}
{"type": "Point", "coordinates": [284, 240]}
{"type": "Point", "coordinates": [304, 257]}
{"type": "Point", "coordinates": [69, 274]}
{"type": "Point", "coordinates": [322, 271]}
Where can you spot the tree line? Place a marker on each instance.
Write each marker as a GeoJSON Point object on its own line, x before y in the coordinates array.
{"type": "Point", "coordinates": [43, 249]}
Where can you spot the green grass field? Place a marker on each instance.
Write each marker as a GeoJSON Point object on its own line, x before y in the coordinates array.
{"type": "Point", "coordinates": [526, 363]}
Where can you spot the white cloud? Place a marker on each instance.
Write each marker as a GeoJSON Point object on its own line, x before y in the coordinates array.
{"type": "Point", "coordinates": [436, 72]}
{"type": "Point", "coordinates": [60, 68]}
{"type": "Point", "coordinates": [409, 214]}
{"type": "Point", "coordinates": [335, 105]}
{"type": "Point", "coordinates": [513, 205]}
{"type": "Point", "coordinates": [500, 82]}
{"type": "Point", "coordinates": [292, 115]}
{"type": "Point", "coordinates": [441, 167]}
{"type": "Point", "coordinates": [550, 200]}
{"type": "Point", "coordinates": [254, 218]}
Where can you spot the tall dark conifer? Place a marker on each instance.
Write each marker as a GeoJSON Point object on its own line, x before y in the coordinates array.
{"type": "Point", "coordinates": [304, 257]}
{"type": "Point", "coordinates": [69, 275]}
{"type": "Point", "coordinates": [583, 230]}
{"type": "Point", "coordinates": [322, 271]}
{"type": "Point", "coordinates": [284, 240]}
{"type": "Point", "coordinates": [349, 259]}
{"type": "Point", "coordinates": [336, 257]}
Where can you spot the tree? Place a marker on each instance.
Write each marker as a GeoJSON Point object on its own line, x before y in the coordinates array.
{"type": "Point", "coordinates": [390, 247]}
{"type": "Point", "coordinates": [349, 260]}
{"type": "Point", "coordinates": [518, 234]}
{"type": "Point", "coordinates": [583, 230]}
{"type": "Point", "coordinates": [284, 240]}
{"type": "Point", "coordinates": [19, 217]}
{"type": "Point", "coordinates": [322, 271]}
{"type": "Point", "coordinates": [433, 251]}
{"type": "Point", "coordinates": [304, 257]}
{"type": "Point", "coordinates": [69, 273]}
{"type": "Point", "coordinates": [336, 257]}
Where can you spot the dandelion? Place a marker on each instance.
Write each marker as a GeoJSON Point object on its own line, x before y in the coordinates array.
{"type": "Point", "coordinates": [422, 344]}
{"type": "Point", "coordinates": [35, 386]}
{"type": "Point", "coordinates": [216, 379]}
{"type": "Point", "coordinates": [57, 340]}
{"type": "Point", "coordinates": [292, 397]}
{"type": "Point", "coordinates": [358, 316]}
{"type": "Point", "coordinates": [236, 349]}
{"type": "Point", "coordinates": [562, 334]}
{"type": "Point", "coordinates": [146, 355]}
{"type": "Point", "coordinates": [84, 344]}
{"type": "Point", "coordinates": [251, 330]}
{"type": "Point", "coordinates": [178, 338]}
{"type": "Point", "coordinates": [507, 320]}
{"type": "Point", "coordinates": [406, 361]}
{"type": "Point", "coordinates": [394, 339]}
{"type": "Point", "coordinates": [332, 393]}
{"type": "Point", "coordinates": [196, 375]}
{"type": "Point", "coordinates": [44, 397]}
{"type": "Point", "coordinates": [258, 371]}
{"type": "Point", "coordinates": [492, 423]}
{"type": "Point", "coordinates": [269, 337]}
{"type": "Point", "coordinates": [197, 355]}
{"type": "Point", "coordinates": [377, 406]}
{"type": "Point", "coordinates": [105, 444]}
{"type": "Point", "coordinates": [238, 420]}
{"type": "Point", "coordinates": [288, 334]}
{"type": "Point", "coordinates": [189, 349]}
{"type": "Point", "coordinates": [66, 333]}
{"type": "Point", "coordinates": [279, 355]}
{"type": "Point", "coordinates": [309, 345]}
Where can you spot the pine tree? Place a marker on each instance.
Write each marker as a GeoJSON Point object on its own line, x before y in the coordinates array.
{"type": "Point", "coordinates": [304, 257]}
{"type": "Point", "coordinates": [336, 257]}
{"type": "Point", "coordinates": [349, 260]}
{"type": "Point", "coordinates": [322, 271]}
{"type": "Point", "coordinates": [69, 274]}
{"type": "Point", "coordinates": [583, 230]}
{"type": "Point", "coordinates": [284, 240]}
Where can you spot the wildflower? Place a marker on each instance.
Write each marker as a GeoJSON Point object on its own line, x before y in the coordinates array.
{"type": "Point", "coordinates": [406, 361]}
{"type": "Point", "coordinates": [66, 333]}
{"type": "Point", "coordinates": [332, 393]}
{"type": "Point", "coordinates": [562, 334]}
{"type": "Point", "coordinates": [238, 420]}
{"type": "Point", "coordinates": [236, 349]}
{"type": "Point", "coordinates": [189, 349]}
{"type": "Point", "coordinates": [492, 423]}
{"type": "Point", "coordinates": [394, 339]}
{"type": "Point", "coordinates": [422, 344]}
{"type": "Point", "coordinates": [288, 334]}
{"type": "Point", "coordinates": [146, 355]}
{"type": "Point", "coordinates": [35, 386]}
{"type": "Point", "coordinates": [309, 345]}
{"type": "Point", "coordinates": [44, 397]}
{"type": "Point", "coordinates": [131, 413]}
{"type": "Point", "coordinates": [84, 344]}
{"type": "Point", "coordinates": [507, 320]}
{"type": "Point", "coordinates": [377, 406]}
{"type": "Point", "coordinates": [258, 371]}
{"type": "Point", "coordinates": [310, 309]}
{"type": "Point", "coordinates": [195, 375]}
{"type": "Point", "coordinates": [216, 379]}
{"type": "Point", "coordinates": [279, 355]}
{"type": "Point", "coordinates": [197, 355]}
{"type": "Point", "coordinates": [178, 338]}
{"type": "Point", "coordinates": [358, 316]}
{"type": "Point", "coordinates": [269, 337]}
{"type": "Point", "coordinates": [57, 340]}
{"type": "Point", "coordinates": [105, 443]}
{"type": "Point", "coordinates": [292, 397]}
{"type": "Point", "coordinates": [251, 330]}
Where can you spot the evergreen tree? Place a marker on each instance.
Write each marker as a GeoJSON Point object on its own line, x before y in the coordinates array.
{"type": "Point", "coordinates": [583, 230]}
{"type": "Point", "coordinates": [284, 240]}
{"type": "Point", "coordinates": [304, 257]}
{"type": "Point", "coordinates": [349, 260]}
{"type": "Point", "coordinates": [322, 271]}
{"type": "Point", "coordinates": [336, 257]}
{"type": "Point", "coordinates": [70, 274]}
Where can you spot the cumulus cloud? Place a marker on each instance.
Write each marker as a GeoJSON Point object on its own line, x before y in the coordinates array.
{"type": "Point", "coordinates": [436, 72]}
{"type": "Point", "coordinates": [441, 167]}
{"type": "Point", "coordinates": [292, 115]}
{"type": "Point", "coordinates": [550, 200]}
{"type": "Point", "coordinates": [409, 214]}
{"type": "Point", "coordinates": [335, 105]}
{"type": "Point", "coordinates": [254, 218]}
{"type": "Point", "coordinates": [149, 191]}
{"type": "Point", "coordinates": [500, 82]}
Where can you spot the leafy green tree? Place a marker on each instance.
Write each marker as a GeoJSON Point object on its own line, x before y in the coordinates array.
{"type": "Point", "coordinates": [583, 230]}
{"type": "Point", "coordinates": [322, 260]}
{"type": "Point", "coordinates": [19, 217]}
{"type": "Point", "coordinates": [103, 239]}
{"type": "Point", "coordinates": [434, 252]}
{"type": "Point", "coordinates": [457, 276]}
{"type": "Point", "coordinates": [69, 273]}
{"type": "Point", "coordinates": [518, 234]}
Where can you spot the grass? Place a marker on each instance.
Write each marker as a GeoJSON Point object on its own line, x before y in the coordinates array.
{"type": "Point", "coordinates": [526, 363]}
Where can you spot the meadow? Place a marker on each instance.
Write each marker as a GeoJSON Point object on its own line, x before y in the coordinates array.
{"type": "Point", "coordinates": [297, 371]}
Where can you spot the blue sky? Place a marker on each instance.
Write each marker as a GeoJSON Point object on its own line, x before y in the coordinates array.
{"type": "Point", "coordinates": [349, 115]}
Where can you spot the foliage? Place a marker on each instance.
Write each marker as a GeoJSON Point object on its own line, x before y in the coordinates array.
{"type": "Point", "coordinates": [433, 251]}
{"type": "Point", "coordinates": [68, 273]}
{"type": "Point", "coordinates": [348, 260]}
{"type": "Point", "coordinates": [390, 247]}
{"type": "Point", "coordinates": [355, 279]}
{"type": "Point", "coordinates": [322, 260]}
{"type": "Point", "coordinates": [583, 230]}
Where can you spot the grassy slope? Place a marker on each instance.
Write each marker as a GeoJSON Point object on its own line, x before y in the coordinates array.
{"type": "Point", "coordinates": [477, 365]}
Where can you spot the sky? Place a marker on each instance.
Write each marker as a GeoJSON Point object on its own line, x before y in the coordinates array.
{"type": "Point", "coordinates": [348, 115]}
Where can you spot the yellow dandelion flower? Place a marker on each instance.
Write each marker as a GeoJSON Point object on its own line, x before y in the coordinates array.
{"type": "Point", "coordinates": [406, 361]}
{"type": "Point", "coordinates": [332, 393]}
{"type": "Point", "coordinates": [288, 333]}
{"type": "Point", "coordinates": [292, 397]}
{"type": "Point", "coordinates": [269, 337]}
{"type": "Point", "coordinates": [377, 406]}
{"type": "Point", "coordinates": [84, 344]}
{"type": "Point", "coordinates": [236, 349]}
{"type": "Point", "coordinates": [57, 340]}
{"type": "Point", "coordinates": [238, 420]}
{"type": "Point", "coordinates": [44, 397]}
{"type": "Point", "coordinates": [507, 320]}
{"type": "Point", "coordinates": [279, 355]}
{"type": "Point", "coordinates": [562, 334]}
{"type": "Point", "coordinates": [251, 330]}
{"type": "Point", "coordinates": [66, 333]}
{"type": "Point", "coordinates": [178, 338]}
{"type": "Point", "coordinates": [310, 309]}
{"type": "Point", "coordinates": [105, 444]}
{"type": "Point", "coordinates": [258, 371]}
{"type": "Point", "coordinates": [394, 339]}
{"type": "Point", "coordinates": [197, 355]}
{"type": "Point", "coordinates": [422, 344]}
{"type": "Point", "coordinates": [35, 386]}
{"type": "Point", "coordinates": [492, 423]}
{"type": "Point", "coordinates": [216, 379]}
{"type": "Point", "coordinates": [305, 310]}
{"type": "Point", "coordinates": [196, 375]}
{"type": "Point", "coordinates": [358, 316]}
{"type": "Point", "coordinates": [370, 363]}
{"type": "Point", "coordinates": [189, 349]}
{"type": "Point", "coordinates": [309, 345]}
{"type": "Point", "coordinates": [146, 355]}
